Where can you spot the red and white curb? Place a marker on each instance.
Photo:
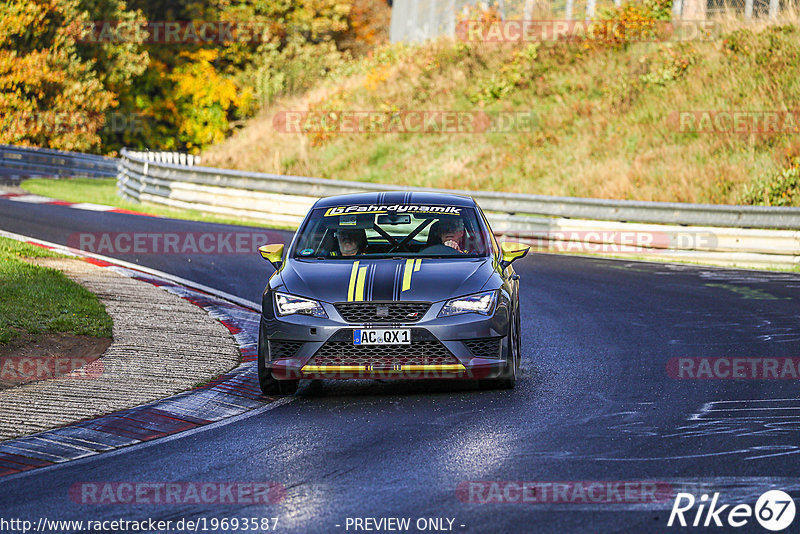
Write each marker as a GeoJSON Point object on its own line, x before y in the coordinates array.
{"type": "Point", "coordinates": [36, 199]}
{"type": "Point", "coordinates": [227, 396]}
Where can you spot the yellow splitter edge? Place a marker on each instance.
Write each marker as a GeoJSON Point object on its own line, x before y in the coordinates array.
{"type": "Point", "coordinates": [323, 369]}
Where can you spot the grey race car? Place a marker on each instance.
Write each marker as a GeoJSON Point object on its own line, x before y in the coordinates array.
{"type": "Point", "coordinates": [391, 285]}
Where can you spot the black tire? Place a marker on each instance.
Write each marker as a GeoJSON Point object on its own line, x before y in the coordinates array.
{"type": "Point", "coordinates": [509, 379]}
{"type": "Point", "coordinates": [271, 386]}
{"type": "Point", "coordinates": [518, 338]}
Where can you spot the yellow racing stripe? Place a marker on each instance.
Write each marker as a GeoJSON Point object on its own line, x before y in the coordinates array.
{"type": "Point", "coordinates": [361, 283]}
{"type": "Point", "coordinates": [409, 269]}
{"type": "Point", "coordinates": [351, 287]}
{"type": "Point", "coordinates": [407, 272]}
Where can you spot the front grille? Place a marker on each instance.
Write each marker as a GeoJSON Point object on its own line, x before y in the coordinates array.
{"type": "Point", "coordinates": [422, 353]}
{"type": "Point", "coordinates": [283, 349]}
{"type": "Point", "coordinates": [424, 349]}
{"type": "Point", "coordinates": [484, 348]}
{"type": "Point", "coordinates": [382, 312]}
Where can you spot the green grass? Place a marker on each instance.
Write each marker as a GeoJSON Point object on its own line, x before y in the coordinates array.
{"type": "Point", "coordinates": [35, 299]}
{"type": "Point", "coordinates": [104, 191]}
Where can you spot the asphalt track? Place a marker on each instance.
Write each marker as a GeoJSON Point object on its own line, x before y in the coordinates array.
{"type": "Point", "coordinates": [595, 403]}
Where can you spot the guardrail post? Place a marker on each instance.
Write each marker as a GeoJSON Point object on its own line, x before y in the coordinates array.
{"type": "Point", "coordinates": [527, 13]}
{"type": "Point", "coordinates": [774, 7]}
{"type": "Point", "coordinates": [677, 9]}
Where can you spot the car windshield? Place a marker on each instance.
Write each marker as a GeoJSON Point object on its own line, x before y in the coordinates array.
{"type": "Point", "coordinates": [363, 231]}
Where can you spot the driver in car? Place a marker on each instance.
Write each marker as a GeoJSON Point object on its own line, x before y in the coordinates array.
{"type": "Point", "coordinates": [352, 241]}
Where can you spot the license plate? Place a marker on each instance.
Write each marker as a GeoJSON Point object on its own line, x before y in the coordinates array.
{"type": "Point", "coordinates": [393, 336]}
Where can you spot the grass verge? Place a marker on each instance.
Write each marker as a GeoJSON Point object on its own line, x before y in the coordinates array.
{"type": "Point", "coordinates": [35, 299]}
{"type": "Point", "coordinates": [605, 119]}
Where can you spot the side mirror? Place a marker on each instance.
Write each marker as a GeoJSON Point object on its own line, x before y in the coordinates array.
{"type": "Point", "coordinates": [512, 251]}
{"type": "Point", "coordinates": [272, 253]}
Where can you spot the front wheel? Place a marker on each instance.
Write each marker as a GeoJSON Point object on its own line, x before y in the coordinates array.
{"type": "Point", "coordinates": [509, 379]}
{"type": "Point", "coordinates": [270, 386]}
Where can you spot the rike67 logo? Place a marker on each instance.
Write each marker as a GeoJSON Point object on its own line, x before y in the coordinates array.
{"type": "Point", "coordinates": [774, 510]}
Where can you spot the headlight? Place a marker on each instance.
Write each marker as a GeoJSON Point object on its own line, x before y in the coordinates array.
{"type": "Point", "coordinates": [482, 303]}
{"type": "Point", "coordinates": [289, 305]}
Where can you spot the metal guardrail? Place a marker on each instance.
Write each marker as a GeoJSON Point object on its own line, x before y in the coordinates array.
{"type": "Point", "coordinates": [178, 158]}
{"type": "Point", "coordinates": [649, 230]}
{"type": "Point", "coordinates": [18, 162]}
{"type": "Point", "coordinates": [142, 175]}
{"type": "Point", "coordinates": [724, 235]}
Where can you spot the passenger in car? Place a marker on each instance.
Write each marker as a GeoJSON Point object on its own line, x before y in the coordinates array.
{"type": "Point", "coordinates": [451, 231]}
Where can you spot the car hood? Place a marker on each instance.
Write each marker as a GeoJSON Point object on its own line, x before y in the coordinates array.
{"type": "Point", "coordinates": [423, 279]}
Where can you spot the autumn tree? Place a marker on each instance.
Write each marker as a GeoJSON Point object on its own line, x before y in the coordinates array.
{"type": "Point", "coordinates": [62, 86]}
{"type": "Point", "coordinates": [54, 91]}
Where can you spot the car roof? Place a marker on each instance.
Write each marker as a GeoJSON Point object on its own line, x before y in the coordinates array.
{"type": "Point", "coordinates": [422, 198]}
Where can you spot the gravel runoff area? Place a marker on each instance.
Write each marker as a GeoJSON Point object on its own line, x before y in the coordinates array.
{"type": "Point", "coordinates": [162, 345]}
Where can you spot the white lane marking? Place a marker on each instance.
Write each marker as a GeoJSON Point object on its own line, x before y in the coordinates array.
{"type": "Point", "coordinates": [745, 277]}
{"type": "Point", "coordinates": [772, 407]}
{"type": "Point", "coordinates": [772, 455]}
{"type": "Point", "coordinates": [748, 401]}
{"type": "Point", "coordinates": [754, 418]}
{"type": "Point", "coordinates": [755, 409]}
{"type": "Point", "coordinates": [38, 199]}
{"type": "Point", "coordinates": [91, 207]}
{"type": "Point", "coordinates": [711, 272]}
{"type": "Point", "coordinates": [32, 199]}
{"type": "Point", "coordinates": [158, 441]}
{"type": "Point", "coordinates": [706, 408]}
{"type": "Point", "coordinates": [136, 267]}
{"type": "Point", "coordinates": [676, 457]}
{"type": "Point", "coordinates": [22, 449]}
